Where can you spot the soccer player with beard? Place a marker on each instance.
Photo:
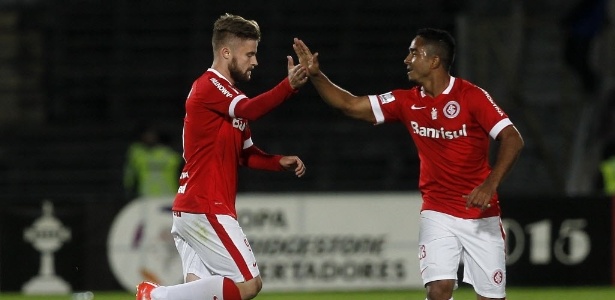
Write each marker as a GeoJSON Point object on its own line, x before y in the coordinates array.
{"type": "Point", "coordinates": [217, 260]}
{"type": "Point", "coordinates": [450, 121]}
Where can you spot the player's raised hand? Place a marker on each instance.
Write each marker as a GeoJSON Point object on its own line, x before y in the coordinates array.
{"type": "Point", "coordinates": [297, 75]}
{"type": "Point", "coordinates": [293, 163]}
{"type": "Point", "coordinates": [306, 58]}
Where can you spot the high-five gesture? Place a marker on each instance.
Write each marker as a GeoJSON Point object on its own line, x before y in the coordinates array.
{"type": "Point", "coordinates": [357, 107]}
{"type": "Point", "coordinates": [297, 75]}
{"type": "Point", "coordinates": [306, 58]}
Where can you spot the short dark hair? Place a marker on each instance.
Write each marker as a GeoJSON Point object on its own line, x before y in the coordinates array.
{"type": "Point", "coordinates": [230, 26]}
{"type": "Point", "coordinates": [442, 42]}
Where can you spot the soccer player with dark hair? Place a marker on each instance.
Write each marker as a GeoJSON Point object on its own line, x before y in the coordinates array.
{"type": "Point", "coordinates": [217, 260]}
{"type": "Point", "coordinates": [450, 121]}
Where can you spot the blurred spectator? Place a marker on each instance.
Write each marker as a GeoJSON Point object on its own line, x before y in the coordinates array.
{"type": "Point", "coordinates": [582, 24]}
{"type": "Point", "coordinates": [152, 167]}
{"type": "Point", "coordinates": [607, 132]}
{"type": "Point", "coordinates": [607, 170]}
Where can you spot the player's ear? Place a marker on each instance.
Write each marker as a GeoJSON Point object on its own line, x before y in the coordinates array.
{"type": "Point", "coordinates": [435, 62]}
{"type": "Point", "coordinates": [225, 52]}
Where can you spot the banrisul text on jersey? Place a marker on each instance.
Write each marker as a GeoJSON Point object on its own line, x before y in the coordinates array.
{"type": "Point", "coordinates": [440, 133]}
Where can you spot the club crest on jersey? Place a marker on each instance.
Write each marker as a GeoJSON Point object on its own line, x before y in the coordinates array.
{"type": "Point", "coordinates": [386, 98]}
{"type": "Point", "coordinates": [434, 113]}
{"type": "Point", "coordinates": [451, 109]}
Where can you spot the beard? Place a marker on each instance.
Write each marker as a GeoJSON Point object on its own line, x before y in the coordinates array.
{"type": "Point", "coordinates": [236, 73]}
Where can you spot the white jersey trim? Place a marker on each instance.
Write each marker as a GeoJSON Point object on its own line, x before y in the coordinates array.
{"type": "Point", "coordinates": [451, 83]}
{"type": "Point", "coordinates": [247, 143]}
{"type": "Point", "coordinates": [373, 100]}
{"type": "Point", "coordinates": [498, 127]}
{"type": "Point", "coordinates": [219, 75]}
{"type": "Point", "coordinates": [231, 108]}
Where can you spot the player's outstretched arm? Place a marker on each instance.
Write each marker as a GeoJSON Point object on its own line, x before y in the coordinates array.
{"type": "Point", "coordinates": [357, 107]}
{"type": "Point", "coordinates": [254, 108]}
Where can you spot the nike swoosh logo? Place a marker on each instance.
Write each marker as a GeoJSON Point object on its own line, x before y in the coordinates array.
{"type": "Point", "coordinates": [417, 107]}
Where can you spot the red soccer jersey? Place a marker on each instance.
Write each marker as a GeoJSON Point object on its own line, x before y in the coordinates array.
{"type": "Point", "coordinates": [213, 140]}
{"type": "Point", "coordinates": [451, 133]}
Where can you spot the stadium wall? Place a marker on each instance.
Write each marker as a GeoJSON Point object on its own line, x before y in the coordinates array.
{"type": "Point", "coordinates": [325, 241]}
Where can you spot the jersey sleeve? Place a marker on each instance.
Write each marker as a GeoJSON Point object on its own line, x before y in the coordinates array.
{"type": "Point", "coordinates": [255, 158]}
{"type": "Point", "coordinates": [218, 95]}
{"type": "Point", "coordinates": [254, 108]}
{"type": "Point", "coordinates": [384, 106]}
{"type": "Point", "coordinates": [214, 94]}
{"type": "Point", "coordinates": [488, 114]}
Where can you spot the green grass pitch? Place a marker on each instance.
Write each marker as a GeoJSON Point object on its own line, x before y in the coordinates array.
{"type": "Point", "coordinates": [514, 293]}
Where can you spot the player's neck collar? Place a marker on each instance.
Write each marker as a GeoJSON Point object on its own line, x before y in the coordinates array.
{"type": "Point", "coordinates": [219, 74]}
{"type": "Point", "coordinates": [447, 90]}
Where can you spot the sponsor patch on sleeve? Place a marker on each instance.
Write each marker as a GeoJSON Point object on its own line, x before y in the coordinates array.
{"type": "Point", "coordinates": [386, 98]}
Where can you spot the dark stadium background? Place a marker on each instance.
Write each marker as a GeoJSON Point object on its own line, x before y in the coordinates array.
{"type": "Point", "coordinates": [78, 77]}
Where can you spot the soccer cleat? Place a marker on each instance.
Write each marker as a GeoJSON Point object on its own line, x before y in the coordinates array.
{"type": "Point", "coordinates": [144, 289]}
